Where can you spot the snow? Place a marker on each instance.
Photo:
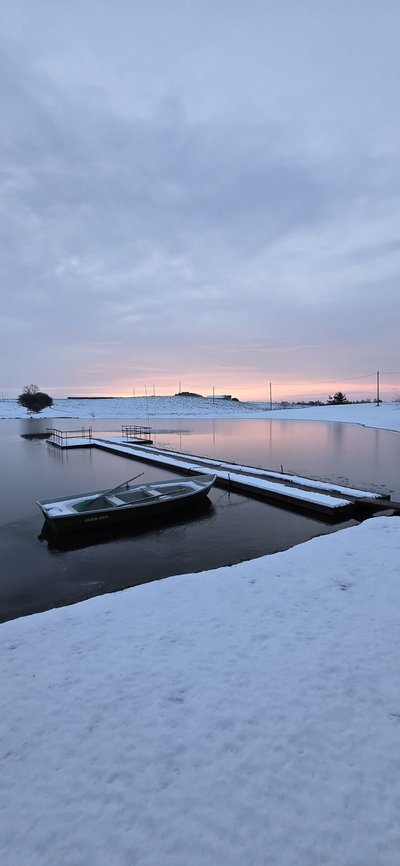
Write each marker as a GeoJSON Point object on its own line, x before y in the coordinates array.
{"type": "Point", "coordinates": [281, 476]}
{"type": "Point", "coordinates": [248, 715]}
{"type": "Point", "coordinates": [249, 475]}
{"type": "Point", "coordinates": [242, 717]}
{"type": "Point", "coordinates": [385, 416]}
{"type": "Point", "coordinates": [296, 494]}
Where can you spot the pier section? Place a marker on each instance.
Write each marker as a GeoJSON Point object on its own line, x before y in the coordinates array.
{"type": "Point", "coordinates": [331, 500]}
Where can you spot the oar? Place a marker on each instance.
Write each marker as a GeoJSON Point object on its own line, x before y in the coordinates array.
{"type": "Point", "coordinates": [112, 489]}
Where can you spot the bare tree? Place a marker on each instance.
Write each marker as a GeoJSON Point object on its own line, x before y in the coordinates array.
{"type": "Point", "coordinates": [33, 399]}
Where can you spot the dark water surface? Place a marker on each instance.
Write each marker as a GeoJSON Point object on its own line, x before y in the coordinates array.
{"type": "Point", "coordinates": [36, 575]}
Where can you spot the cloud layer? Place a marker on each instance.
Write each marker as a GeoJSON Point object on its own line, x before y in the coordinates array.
{"type": "Point", "coordinates": [196, 194]}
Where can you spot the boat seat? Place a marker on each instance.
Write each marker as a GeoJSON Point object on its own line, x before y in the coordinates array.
{"type": "Point", "coordinates": [114, 500]}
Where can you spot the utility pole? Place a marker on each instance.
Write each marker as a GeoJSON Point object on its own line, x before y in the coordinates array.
{"type": "Point", "coordinates": [270, 395]}
{"type": "Point", "coordinates": [377, 388]}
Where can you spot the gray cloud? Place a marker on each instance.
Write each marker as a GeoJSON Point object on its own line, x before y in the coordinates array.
{"type": "Point", "coordinates": [172, 230]}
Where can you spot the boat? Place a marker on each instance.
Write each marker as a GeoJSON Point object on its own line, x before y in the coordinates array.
{"type": "Point", "coordinates": [125, 503]}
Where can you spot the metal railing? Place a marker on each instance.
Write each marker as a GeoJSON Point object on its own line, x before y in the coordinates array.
{"type": "Point", "coordinates": [135, 431]}
{"type": "Point", "coordinates": [61, 437]}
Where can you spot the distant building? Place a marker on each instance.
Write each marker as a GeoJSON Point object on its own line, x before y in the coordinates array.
{"type": "Point", "coordinates": [188, 394]}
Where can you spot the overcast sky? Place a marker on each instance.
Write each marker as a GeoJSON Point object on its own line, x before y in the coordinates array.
{"type": "Point", "coordinates": [204, 192]}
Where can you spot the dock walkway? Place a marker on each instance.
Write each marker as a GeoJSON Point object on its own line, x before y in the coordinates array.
{"type": "Point", "coordinates": [334, 501]}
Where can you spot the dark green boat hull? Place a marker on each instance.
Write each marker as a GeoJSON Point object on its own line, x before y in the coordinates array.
{"type": "Point", "coordinates": [125, 514]}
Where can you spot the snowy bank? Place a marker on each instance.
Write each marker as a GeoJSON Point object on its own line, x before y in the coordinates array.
{"type": "Point", "coordinates": [385, 416]}
{"type": "Point", "coordinates": [249, 715]}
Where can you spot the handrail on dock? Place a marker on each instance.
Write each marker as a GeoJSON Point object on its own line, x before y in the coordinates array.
{"type": "Point", "coordinates": [60, 437]}
{"type": "Point", "coordinates": [135, 431]}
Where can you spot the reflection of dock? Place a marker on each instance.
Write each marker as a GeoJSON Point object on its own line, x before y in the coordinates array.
{"type": "Point", "coordinates": [331, 500]}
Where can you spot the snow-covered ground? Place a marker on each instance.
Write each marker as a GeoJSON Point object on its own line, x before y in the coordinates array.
{"type": "Point", "coordinates": [385, 416]}
{"type": "Point", "coordinates": [248, 716]}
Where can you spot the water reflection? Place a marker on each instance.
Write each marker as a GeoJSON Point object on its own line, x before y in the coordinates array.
{"type": "Point", "coordinates": [342, 453]}
{"type": "Point", "coordinates": [34, 435]}
{"type": "Point", "coordinates": [34, 428]}
{"type": "Point", "coordinates": [345, 453]}
{"type": "Point", "coordinates": [39, 576]}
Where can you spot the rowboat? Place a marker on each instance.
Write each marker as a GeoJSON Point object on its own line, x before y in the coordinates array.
{"type": "Point", "coordinates": [125, 503]}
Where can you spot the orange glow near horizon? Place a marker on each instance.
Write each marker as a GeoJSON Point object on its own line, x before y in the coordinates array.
{"type": "Point", "coordinates": [254, 391]}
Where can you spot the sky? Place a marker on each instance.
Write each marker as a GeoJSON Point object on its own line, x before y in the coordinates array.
{"type": "Point", "coordinates": [200, 195]}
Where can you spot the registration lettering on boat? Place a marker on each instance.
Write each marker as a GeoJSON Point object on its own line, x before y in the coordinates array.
{"type": "Point", "coordinates": [93, 519]}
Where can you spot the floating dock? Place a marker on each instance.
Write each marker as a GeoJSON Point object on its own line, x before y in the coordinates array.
{"type": "Point", "coordinates": [331, 500]}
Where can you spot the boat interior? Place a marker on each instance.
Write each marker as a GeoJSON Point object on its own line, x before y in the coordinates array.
{"type": "Point", "coordinates": [130, 496]}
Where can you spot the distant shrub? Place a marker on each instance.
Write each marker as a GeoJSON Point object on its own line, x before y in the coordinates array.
{"type": "Point", "coordinates": [337, 399]}
{"type": "Point", "coordinates": [34, 400]}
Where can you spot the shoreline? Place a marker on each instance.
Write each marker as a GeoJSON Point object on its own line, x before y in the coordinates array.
{"type": "Point", "coordinates": [386, 416]}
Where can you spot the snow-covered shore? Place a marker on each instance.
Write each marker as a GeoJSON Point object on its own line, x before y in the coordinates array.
{"type": "Point", "coordinates": [248, 715]}
{"type": "Point", "coordinates": [385, 416]}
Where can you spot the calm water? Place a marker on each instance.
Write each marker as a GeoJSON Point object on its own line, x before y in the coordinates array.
{"type": "Point", "coordinates": [231, 528]}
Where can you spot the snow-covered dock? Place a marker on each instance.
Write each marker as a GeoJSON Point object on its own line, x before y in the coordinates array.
{"type": "Point", "coordinates": [287, 490]}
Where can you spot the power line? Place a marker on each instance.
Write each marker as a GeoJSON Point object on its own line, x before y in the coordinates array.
{"type": "Point", "coordinates": [347, 378]}
{"type": "Point", "coordinates": [337, 379]}
{"type": "Point", "coordinates": [341, 379]}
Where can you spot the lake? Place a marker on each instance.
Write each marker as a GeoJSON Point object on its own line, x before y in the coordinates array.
{"type": "Point", "coordinates": [231, 528]}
